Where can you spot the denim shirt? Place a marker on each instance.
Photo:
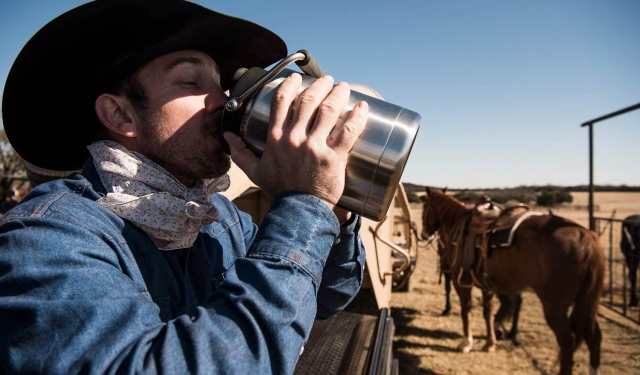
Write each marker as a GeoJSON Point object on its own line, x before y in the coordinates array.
{"type": "Point", "coordinates": [84, 291]}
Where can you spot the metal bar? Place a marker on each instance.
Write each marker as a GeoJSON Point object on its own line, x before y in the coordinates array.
{"type": "Point", "coordinates": [592, 224]}
{"type": "Point", "coordinates": [612, 114]}
{"type": "Point", "coordinates": [624, 289]}
{"type": "Point", "coordinates": [620, 313]}
{"type": "Point", "coordinates": [608, 219]}
{"type": "Point", "coordinates": [611, 267]}
{"type": "Point", "coordinates": [590, 124]}
{"type": "Point", "coordinates": [376, 353]}
{"type": "Point", "coordinates": [395, 248]}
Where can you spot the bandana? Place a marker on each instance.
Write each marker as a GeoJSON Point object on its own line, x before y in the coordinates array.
{"type": "Point", "coordinates": [146, 194]}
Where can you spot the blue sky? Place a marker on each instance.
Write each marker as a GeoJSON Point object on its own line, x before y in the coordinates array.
{"type": "Point", "coordinates": [502, 86]}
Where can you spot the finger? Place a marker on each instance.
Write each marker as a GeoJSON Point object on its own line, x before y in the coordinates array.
{"type": "Point", "coordinates": [241, 154]}
{"type": "Point", "coordinates": [345, 135]}
{"type": "Point", "coordinates": [329, 112]}
{"type": "Point", "coordinates": [281, 104]}
{"type": "Point", "coordinates": [306, 105]}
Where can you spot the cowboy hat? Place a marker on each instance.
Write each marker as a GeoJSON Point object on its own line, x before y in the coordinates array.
{"type": "Point", "coordinates": [48, 104]}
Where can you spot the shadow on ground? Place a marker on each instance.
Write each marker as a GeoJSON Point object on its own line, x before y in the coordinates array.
{"type": "Point", "coordinates": [410, 363]}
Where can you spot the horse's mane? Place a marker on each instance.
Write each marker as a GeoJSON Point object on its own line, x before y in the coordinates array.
{"type": "Point", "coordinates": [449, 209]}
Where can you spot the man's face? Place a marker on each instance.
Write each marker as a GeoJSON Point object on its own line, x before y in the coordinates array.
{"type": "Point", "coordinates": [177, 127]}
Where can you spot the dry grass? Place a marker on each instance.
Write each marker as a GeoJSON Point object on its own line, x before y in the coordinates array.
{"type": "Point", "coordinates": [624, 204]}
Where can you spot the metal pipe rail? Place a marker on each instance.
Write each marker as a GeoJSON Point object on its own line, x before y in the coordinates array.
{"type": "Point", "coordinates": [612, 253]}
{"type": "Point", "coordinates": [590, 124]}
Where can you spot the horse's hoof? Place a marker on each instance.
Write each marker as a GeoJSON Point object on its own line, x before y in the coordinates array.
{"type": "Point", "coordinates": [594, 371]}
{"type": "Point", "coordinates": [466, 346]}
{"type": "Point", "coordinates": [515, 342]}
{"type": "Point", "coordinates": [489, 348]}
{"type": "Point", "coordinates": [500, 334]}
{"type": "Point", "coordinates": [446, 312]}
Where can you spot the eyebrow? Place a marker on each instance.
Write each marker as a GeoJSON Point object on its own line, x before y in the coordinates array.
{"type": "Point", "coordinates": [183, 60]}
{"type": "Point", "coordinates": [192, 60]}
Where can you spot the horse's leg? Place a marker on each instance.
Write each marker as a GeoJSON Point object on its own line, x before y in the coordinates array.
{"type": "Point", "coordinates": [517, 304]}
{"type": "Point", "coordinates": [501, 315]}
{"type": "Point", "coordinates": [559, 322]}
{"type": "Point", "coordinates": [593, 337]}
{"type": "Point", "coordinates": [447, 293]}
{"type": "Point", "coordinates": [464, 294]}
{"type": "Point", "coordinates": [487, 313]}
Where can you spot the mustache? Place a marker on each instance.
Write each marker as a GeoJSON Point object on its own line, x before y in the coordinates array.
{"type": "Point", "coordinates": [214, 120]}
{"type": "Point", "coordinates": [216, 124]}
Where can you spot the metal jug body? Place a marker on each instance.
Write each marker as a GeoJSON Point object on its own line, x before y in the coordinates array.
{"type": "Point", "coordinates": [376, 161]}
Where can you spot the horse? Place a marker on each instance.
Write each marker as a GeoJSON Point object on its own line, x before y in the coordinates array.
{"type": "Point", "coordinates": [630, 246]}
{"type": "Point", "coordinates": [560, 260]}
{"type": "Point", "coordinates": [510, 305]}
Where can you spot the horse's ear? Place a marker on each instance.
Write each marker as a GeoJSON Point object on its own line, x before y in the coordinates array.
{"type": "Point", "coordinates": [427, 190]}
{"type": "Point", "coordinates": [444, 191]}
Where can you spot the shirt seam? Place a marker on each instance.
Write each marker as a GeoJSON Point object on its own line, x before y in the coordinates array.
{"type": "Point", "coordinates": [267, 254]}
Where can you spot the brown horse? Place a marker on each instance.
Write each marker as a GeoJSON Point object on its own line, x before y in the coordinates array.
{"type": "Point", "coordinates": [560, 260]}
{"type": "Point", "coordinates": [510, 305]}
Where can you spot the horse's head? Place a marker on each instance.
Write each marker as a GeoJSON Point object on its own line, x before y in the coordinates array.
{"type": "Point", "coordinates": [441, 212]}
{"type": "Point", "coordinates": [430, 218]}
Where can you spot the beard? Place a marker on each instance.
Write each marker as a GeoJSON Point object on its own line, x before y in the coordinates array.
{"type": "Point", "coordinates": [194, 152]}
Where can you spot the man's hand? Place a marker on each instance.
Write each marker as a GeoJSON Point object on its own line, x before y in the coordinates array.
{"type": "Point", "coordinates": [308, 144]}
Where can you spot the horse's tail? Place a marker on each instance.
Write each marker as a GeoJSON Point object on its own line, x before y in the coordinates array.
{"type": "Point", "coordinates": [583, 315]}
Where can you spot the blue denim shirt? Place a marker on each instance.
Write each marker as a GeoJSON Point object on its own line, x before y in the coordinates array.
{"type": "Point", "coordinates": [83, 291]}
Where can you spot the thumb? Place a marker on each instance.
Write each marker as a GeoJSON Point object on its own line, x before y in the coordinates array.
{"type": "Point", "coordinates": [241, 155]}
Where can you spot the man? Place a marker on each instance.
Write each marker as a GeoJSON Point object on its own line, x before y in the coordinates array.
{"type": "Point", "coordinates": [135, 264]}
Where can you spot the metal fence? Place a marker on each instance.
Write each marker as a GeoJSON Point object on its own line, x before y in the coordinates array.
{"type": "Point", "coordinates": [616, 293]}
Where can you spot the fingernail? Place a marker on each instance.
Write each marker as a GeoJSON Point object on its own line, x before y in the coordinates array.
{"type": "Point", "coordinates": [363, 105]}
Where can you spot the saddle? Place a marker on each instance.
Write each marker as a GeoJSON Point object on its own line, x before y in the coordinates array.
{"type": "Point", "coordinates": [490, 227]}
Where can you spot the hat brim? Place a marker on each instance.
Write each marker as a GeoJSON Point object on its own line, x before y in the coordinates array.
{"type": "Point", "coordinates": [49, 96]}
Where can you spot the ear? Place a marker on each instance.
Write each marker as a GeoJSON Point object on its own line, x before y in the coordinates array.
{"type": "Point", "coordinates": [444, 191]}
{"type": "Point", "coordinates": [116, 114]}
{"type": "Point", "coordinates": [428, 190]}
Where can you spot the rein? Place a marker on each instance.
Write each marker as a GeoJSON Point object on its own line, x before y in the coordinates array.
{"type": "Point", "coordinates": [451, 230]}
{"type": "Point", "coordinates": [452, 234]}
{"type": "Point", "coordinates": [452, 237]}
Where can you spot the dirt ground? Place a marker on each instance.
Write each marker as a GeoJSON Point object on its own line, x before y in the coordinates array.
{"type": "Point", "coordinates": [426, 342]}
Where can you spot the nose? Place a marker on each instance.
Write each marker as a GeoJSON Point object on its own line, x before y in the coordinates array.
{"type": "Point", "coordinates": [214, 100]}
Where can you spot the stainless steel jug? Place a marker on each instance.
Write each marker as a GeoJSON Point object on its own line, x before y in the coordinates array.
{"type": "Point", "coordinates": [376, 161]}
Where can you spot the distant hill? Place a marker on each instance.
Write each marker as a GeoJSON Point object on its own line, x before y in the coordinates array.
{"type": "Point", "coordinates": [414, 188]}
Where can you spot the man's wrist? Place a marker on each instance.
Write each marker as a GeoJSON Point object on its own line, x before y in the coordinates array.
{"type": "Point", "coordinates": [342, 214]}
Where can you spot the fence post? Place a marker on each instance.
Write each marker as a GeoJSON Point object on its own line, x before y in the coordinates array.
{"type": "Point", "coordinates": [592, 221]}
{"type": "Point", "coordinates": [610, 266]}
{"type": "Point", "coordinates": [624, 289]}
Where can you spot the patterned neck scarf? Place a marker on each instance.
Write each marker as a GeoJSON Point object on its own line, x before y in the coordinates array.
{"type": "Point", "coordinates": [146, 194]}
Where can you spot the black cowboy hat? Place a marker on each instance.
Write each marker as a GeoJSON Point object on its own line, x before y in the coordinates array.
{"type": "Point", "coordinates": [49, 96]}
